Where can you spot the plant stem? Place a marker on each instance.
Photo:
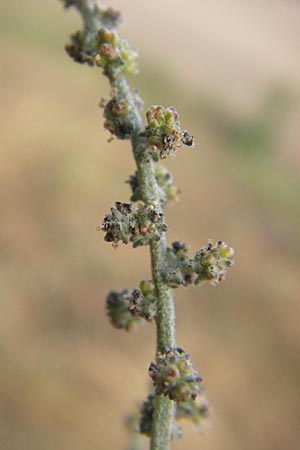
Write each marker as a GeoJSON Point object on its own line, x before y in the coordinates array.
{"type": "Point", "coordinates": [165, 315]}
{"type": "Point", "coordinates": [165, 337]}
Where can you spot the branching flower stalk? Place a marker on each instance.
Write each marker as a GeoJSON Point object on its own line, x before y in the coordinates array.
{"type": "Point", "coordinates": [177, 388]}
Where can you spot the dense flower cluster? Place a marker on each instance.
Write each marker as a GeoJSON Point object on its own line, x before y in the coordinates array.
{"type": "Point", "coordinates": [163, 132]}
{"type": "Point", "coordinates": [117, 306]}
{"type": "Point", "coordinates": [126, 308]}
{"type": "Point", "coordinates": [173, 374]}
{"type": "Point", "coordinates": [105, 48]}
{"type": "Point", "coordinates": [209, 264]}
{"type": "Point", "coordinates": [137, 224]}
{"type": "Point", "coordinates": [114, 54]}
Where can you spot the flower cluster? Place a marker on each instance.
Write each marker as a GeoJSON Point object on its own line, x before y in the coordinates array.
{"type": "Point", "coordinates": [105, 49]}
{"type": "Point", "coordinates": [126, 308]}
{"type": "Point", "coordinates": [163, 132]}
{"type": "Point", "coordinates": [167, 191]}
{"type": "Point", "coordinates": [142, 301]}
{"type": "Point", "coordinates": [137, 224]}
{"type": "Point", "coordinates": [114, 54]}
{"type": "Point", "coordinates": [118, 115]}
{"type": "Point", "coordinates": [212, 262]}
{"type": "Point", "coordinates": [117, 306]}
{"type": "Point", "coordinates": [209, 264]}
{"type": "Point", "coordinates": [173, 374]}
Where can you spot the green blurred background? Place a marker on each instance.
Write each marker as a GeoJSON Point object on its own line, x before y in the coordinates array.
{"type": "Point", "coordinates": [232, 69]}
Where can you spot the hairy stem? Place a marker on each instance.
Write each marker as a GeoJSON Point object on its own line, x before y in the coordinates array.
{"type": "Point", "coordinates": [165, 316]}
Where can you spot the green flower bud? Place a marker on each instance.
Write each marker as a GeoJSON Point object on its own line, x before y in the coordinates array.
{"type": "Point", "coordinates": [171, 116]}
{"type": "Point", "coordinates": [173, 374]}
{"type": "Point", "coordinates": [107, 35]}
{"type": "Point", "coordinates": [147, 287]}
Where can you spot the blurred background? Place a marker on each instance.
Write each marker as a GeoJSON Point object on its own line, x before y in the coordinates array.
{"type": "Point", "coordinates": [232, 69]}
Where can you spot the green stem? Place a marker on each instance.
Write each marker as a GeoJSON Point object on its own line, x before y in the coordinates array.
{"type": "Point", "coordinates": [165, 338]}
{"type": "Point", "coordinates": [165, 316]}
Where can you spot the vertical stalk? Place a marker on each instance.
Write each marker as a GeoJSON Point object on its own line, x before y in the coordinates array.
{"type": "Point", "coordinates": [165, 315]}
{"type": "Point", "coordinates": [165, 339]}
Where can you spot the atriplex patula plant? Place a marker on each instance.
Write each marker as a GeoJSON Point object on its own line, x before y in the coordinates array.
{"type": "Point", "coordinates": [177, 388]}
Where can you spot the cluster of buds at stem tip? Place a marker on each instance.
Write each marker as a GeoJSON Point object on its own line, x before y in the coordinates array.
{"type": "Point", "coordinates": [163, 132]}
{"type": "Point", "coordinates": [126, 308]}
{"type": "Point", "coordinates": [100, 45]}
{"type": "Point", "coordinates": [114, 54]}
{"type": "Point", "coordinates": [166, 190]}
{"type": "Point", "coordinates": [173, 375]}
{"type": "Point", "coordinates": [139, 224]}
{"type": "Point", "coordinates": [196, 411]}
{"type": "Point", "coordinates": [210, 263]}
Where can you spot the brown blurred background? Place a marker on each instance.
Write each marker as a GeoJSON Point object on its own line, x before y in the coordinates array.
{"type": "Point", "coordinates": [232, 69]}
